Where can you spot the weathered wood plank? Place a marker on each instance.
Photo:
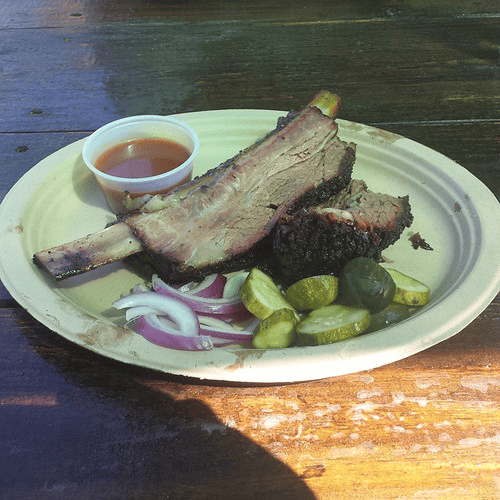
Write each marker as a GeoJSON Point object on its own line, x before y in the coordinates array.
{"type": "Point", "coordinates": [436, 71]}
{"type": "Point", "coordinates": [20, 152]}
{"type": "Point", "coordinates": [57, 13]}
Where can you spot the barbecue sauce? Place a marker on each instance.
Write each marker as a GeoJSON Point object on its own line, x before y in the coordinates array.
{"type": "Point", "coordinates": [142, 158]}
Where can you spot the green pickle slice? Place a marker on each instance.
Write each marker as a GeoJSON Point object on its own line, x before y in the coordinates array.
{"type": "Point", "coordinates": [392, 314]}
{"type": "Point", "coordinates": [372, 298]}
{"type": "Point", "coordinates": [276, 331]}
{"type": "Point", "coordinates": [409, 290]}
{"type": "Point", "coordinates": [313, 292]}
{"type": "Point", "coordinates": [331, 324]}
{"type": "Point", "coordinates": [366, 284]}
{"type": "Point", "coordinates": [261, 296]}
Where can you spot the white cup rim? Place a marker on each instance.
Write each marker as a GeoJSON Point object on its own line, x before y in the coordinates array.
{"type": "Point", "coordinates": [138, 181]}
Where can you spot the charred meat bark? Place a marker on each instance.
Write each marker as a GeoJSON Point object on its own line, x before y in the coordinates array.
{"type": "Point", "coordinates": [323, 238]}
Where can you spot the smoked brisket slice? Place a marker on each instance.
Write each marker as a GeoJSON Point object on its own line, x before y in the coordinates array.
{"type": "Point", "coordinates": [323, 238]}
{"type": "Point", "coordinates": [225, 223]}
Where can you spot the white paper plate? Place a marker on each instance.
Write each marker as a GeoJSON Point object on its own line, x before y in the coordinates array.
{"type": "Point", "coordinates": [58, 200]}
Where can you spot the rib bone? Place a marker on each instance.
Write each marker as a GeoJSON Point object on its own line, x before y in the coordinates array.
{"type": "Point", "coordinates": [90, 252]}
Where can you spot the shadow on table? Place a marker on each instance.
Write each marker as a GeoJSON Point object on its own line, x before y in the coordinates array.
{"type": "Point", "coordinates": [104, 435]}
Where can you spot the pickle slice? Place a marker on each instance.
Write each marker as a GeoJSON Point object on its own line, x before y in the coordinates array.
{"type": "Point", "coordinates": [409, 290]}
{"type": "Point", "coordinates": [276, 331]}
{"type": "Point", "coordinates": [331, 324]}
{"type": "Point", "coordinates": [313, 292]}
{"type": "Point", "coordinates": [392, 314]}
{"type": "Point", "coordinates": [366, 284]}
{"type": "Point", "coordinates": [261, 296]}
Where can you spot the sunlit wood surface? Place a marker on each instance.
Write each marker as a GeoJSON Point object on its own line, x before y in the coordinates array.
{"type": "Point", "coordinates": [74, 425]}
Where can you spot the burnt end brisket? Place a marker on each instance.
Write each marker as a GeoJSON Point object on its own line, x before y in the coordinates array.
{"type": "Point", "coordinates": [323, 238]}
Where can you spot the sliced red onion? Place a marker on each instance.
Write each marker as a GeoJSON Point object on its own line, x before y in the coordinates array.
{"type": "Point", "coordinates": [141, 287]}
{"type": "Point", "coordinates": [165, 337]}
{"type": "Point", "coordinates": [186, 287]}
{"type": "Point", "coordinates": [214, 322]}
{"type": "Point", "coordinates": [222, 330]}
{"type": "Point", "coordinates": [250, 324]}
{"type": "Point", "coordinates": [147, 308]}
{"type": "Point", "coordinates": [211, 287]}
{"type": "Point", "coordinates": [164, 325]}
{"type": "Point", "coordinates": [229, 309]}
{"type": "Point", "coordinates": [136, 311]}
{"type": "Point", "coordinates": [234, 284]}
{"type": "Point", "coordinates": [230, 335]}
{"type": "Point", "coordinates": [179, 312]}
{"type": "Point", "coordinates": [171, 317]}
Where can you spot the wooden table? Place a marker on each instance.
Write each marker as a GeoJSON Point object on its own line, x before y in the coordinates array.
{"type": "Point", "coordinates": [74, 425]}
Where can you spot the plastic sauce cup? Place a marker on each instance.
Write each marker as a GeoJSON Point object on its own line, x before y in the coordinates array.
{"type": "Point", "coordinates": [129, 129]}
